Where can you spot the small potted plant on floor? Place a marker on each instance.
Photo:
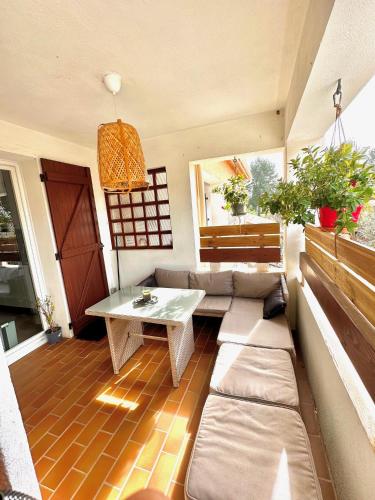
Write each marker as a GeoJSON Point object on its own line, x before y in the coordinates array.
{"type": "Point", "coordinates": [335, 181]}
{"type": "Point", "coordinates": [236, 194]}
{"type": "Point", "coordinates": [47, 308]}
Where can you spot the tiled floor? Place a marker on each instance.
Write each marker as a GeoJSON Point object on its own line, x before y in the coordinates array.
{"type": "Point", "coordinates": [97, 435]}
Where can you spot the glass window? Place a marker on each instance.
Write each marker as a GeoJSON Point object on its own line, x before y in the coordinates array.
{"type": "Point", "coordinates": [19, 317]}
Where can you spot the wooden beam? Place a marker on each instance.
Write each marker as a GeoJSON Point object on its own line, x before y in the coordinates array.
{"type": "Point", "coordinates": [241, 241]}
{"type": "Point", "coordinates": [240, 254]}
{"type": "Point", "coordinates": [361, 293]}
{"type": "Point", "coordinates": [356, 334]}
{"type": "Point", "coordinates": [241, 229]}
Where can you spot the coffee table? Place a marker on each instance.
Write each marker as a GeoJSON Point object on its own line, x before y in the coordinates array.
{"type": "Point", "coordinates": [124, 322]}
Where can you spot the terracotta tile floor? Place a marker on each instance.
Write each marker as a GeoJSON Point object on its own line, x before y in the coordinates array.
{"type": "Point", "coordinates": [97, 435]}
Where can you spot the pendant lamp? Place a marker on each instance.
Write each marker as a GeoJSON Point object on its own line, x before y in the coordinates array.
{"type": "Point", "coordinates": [120, 156]}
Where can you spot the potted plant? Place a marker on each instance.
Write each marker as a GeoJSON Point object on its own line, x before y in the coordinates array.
{"type": "Point", "coordinates": [5, 219]}
{"type": "Point", "coordinates": [336, 181]}
{"type": "Point", "coordinates": [47, 308]}
{"type": "Point", "coordinates": [236, 194]}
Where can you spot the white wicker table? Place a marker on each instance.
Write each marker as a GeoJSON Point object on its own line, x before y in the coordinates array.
{"type": "Point", "coordinates": [124, 323]}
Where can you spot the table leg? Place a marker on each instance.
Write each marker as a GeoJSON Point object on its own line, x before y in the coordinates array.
{"type": "Point", "coordinates": [121, 344]}
{"type": "Point", "coordinates": [181, 347]}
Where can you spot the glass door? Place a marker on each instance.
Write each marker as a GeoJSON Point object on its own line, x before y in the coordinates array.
{"type": "Point", "coordinates": [19, 317]}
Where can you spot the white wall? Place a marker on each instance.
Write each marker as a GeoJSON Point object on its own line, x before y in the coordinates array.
{"type": "Point", "coordinates": [175, 151]}
{"type": "Point", "coordinates": [345, 410]}
{"type": "Point", "coordinates": [25, 147]}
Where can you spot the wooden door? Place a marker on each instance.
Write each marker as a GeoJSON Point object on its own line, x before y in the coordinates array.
{"type": "Point", "coordinates": [79, 249]}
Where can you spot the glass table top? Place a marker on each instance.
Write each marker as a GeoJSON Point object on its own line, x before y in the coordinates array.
{"type": "Point", "coordinates": [174, 306]}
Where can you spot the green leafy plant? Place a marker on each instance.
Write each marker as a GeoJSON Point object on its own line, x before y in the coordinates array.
{"type": "Point", "coordinates": [339, 178]}
{"type": "Point", "coordinates": [47, 308]}
{"type": "Point", "coordinates": [235, 191]}
{"type": "Point", "coordinates": [290, 202]}
{"type": "Point", "coordinates": [5, 216]}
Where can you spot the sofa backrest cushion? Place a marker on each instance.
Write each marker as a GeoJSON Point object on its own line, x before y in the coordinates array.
{"type": "Point", "coordinates": [255, 285]}
{"type": "Point", "coordinates": [167, 278]}
{"type": "Point", "coordinates": [213, 283]}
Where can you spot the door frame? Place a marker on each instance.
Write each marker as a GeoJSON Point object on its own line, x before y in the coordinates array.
{"type": "Point", "coordinates": [36, 268]}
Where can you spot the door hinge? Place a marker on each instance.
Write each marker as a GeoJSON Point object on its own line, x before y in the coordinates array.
{"type": "Point", "coordinates": [43, 177]}
{"type": "Point", "coordinates": [57, 256]}
{"type": "Point", "coordinates": [70, 326]}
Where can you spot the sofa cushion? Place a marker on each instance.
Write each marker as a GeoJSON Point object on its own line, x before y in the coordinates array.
{"type": "Point", "coordinates": [255, 285]}
{"type": "Point", "coordinates": [252, 308]}
{"type": "Point", "coordinates": [264, 375]}
{"type": "Point", "coordinates": [214, 304]}
{"type": "Point", "coordinates": [246, 450]}
{"type": "Point", "coordinates": [274, 304]}
{"type": "Point", "coordinates": [271, 333]}
{"type": "Point", "coordinates": [213, 283]}
{"type": "Point", "coordinates": [167, 278]}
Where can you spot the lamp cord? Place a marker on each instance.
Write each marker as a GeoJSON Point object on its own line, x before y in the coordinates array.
{"type": "Point", "coordinates": [115, 106]}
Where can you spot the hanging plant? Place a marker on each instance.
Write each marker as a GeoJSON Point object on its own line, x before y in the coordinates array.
{"type": "Point", "coordinates": [236, 194]}
{"type": "Point", "coordinates": [338, 181]}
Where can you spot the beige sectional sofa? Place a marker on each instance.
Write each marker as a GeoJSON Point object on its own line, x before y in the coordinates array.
{"type": "Point", "coordinates": [238, 298]}
{"type": "Point", "coordinates": [251, 442]}
{"type": "Point", "coordinates": [250, 451]}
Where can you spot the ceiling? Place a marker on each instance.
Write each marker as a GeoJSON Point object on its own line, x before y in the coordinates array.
{"type": "Point", "coordinates": [185, 63]}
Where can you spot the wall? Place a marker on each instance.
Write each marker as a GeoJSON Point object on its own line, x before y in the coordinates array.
{"type": "Point", "coordinates": [345, 410]}
{"type": "Point", "coordinates": [25, 146]}
{"type": "Point", "coordinates": [315, 24]}
{"type": "Point", "coordinates": [16, 466]}
{"type": "Point", "coordinates": [294, 235]}
{"type": "Point", "coordinates": [175, 151]}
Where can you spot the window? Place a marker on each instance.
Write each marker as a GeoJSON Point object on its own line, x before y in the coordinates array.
{"type": "Point", "coordinates": [19, 317]}
{"type": "Point", "coordinates": [141, 219]}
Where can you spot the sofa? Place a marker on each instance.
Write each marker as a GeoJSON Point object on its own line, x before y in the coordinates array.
{"type": "Point", "coordinates": [251, 441]}
{"type": "Point", "coordinates": [239, 298]}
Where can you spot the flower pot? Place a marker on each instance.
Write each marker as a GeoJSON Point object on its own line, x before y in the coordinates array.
{"type": "Point", "coordinates": [53, 336]}
{"type": "Point", "coordinates": [328, 216]}
{"type": "Point", "coordinates": [238, 209]}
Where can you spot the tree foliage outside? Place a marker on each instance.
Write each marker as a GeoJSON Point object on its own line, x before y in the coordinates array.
{"type": "Point", "coordinates": [263, 179]}
{"type": "Point", "coordinates": [366, 225]}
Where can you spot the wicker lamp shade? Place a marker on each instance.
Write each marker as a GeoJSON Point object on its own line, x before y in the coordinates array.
{"type": "Point", "coordinates": [120, 157]}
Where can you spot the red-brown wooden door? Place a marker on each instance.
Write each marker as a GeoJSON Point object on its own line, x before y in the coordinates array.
{"type": "Point", "coordinates": [72, 207]}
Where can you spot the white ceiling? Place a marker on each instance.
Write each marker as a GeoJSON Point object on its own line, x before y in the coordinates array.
{"type": "Point", "coordinates": [185, 63]}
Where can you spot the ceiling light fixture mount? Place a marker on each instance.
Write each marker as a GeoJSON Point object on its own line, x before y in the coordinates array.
{"type": "Point", "coordinates": [120, 156]}
{"type": "Point", "coordinates": [112, 82]}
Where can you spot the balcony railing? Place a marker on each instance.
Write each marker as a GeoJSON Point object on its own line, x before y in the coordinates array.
{"type": "Point", "coordinates": [341, 273]}
{"type": "Point", "coordinates": [240, 243]}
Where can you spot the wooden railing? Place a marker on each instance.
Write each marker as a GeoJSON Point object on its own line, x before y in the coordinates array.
{"type": "Point", "coordinates": [350, 265]}
{"type": "Point", "coordinates": [341, 274]}
{"type": "Point", "coordinates": [240, 243]}
{"type": "Point", "coordinates": [9, 250]}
